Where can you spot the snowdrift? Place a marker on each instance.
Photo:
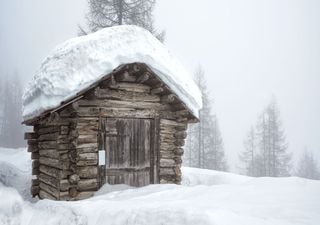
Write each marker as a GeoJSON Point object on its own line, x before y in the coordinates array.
{"type": "Point", "coordinates": [206, 197]}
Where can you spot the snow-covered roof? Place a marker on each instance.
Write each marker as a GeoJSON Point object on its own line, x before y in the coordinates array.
{"type": "Point", "coordinates": [81, 61]}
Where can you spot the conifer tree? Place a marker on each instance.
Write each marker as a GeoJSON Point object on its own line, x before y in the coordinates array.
{"type": "Point", "coordinates": [271, 158]}
{"type": "Point", "coordinates": [249, 155]}
{"type": "Point", "coordinates": [308, 167]}
{"type": "Point", "coordinates": [204, 146]}
{"type": "Point", "coordinates": [11, 133]}
{"type": "Point", "coordinates": [108, 13]}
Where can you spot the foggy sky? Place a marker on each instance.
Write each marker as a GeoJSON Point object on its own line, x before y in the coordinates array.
{"type": "Point", "coordinates": [250, 50]}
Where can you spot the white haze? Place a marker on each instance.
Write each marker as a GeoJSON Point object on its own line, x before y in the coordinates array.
{"type": "Point", "coordinates": [249, 49]}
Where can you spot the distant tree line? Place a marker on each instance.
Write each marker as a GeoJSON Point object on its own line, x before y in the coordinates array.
{"type": "Point", "coordinates": [266, 150]}
{"type": "Point", "coordinates": [11, 130]}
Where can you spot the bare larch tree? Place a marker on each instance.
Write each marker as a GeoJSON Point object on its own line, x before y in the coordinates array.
{"type": "Point", "coordinates": [204, 147]}
{"type": "Point", "coordinates": [108, 13]}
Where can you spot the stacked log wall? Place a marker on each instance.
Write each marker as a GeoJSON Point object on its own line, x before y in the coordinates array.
{"type": "Point", "coordinates": [65, 145]}
{"type": "Point", "coordinates": [172, 135]}
{"type": "Point", "coordinates": [122, 96]}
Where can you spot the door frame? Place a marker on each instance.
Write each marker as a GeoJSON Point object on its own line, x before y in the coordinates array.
{"type": "Point", "coordinates": [154, 148]}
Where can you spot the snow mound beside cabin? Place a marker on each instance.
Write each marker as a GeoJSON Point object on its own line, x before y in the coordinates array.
{"type": "Point", "coordinates": [206, 197]}
{"type": "Point", "coordinates": [79, 62]}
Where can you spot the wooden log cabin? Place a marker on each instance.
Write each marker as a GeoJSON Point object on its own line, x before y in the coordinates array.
{"type": "Point", "coordinates": [127, 127]}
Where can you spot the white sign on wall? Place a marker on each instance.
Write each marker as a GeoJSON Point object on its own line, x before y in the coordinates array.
{"type": "Point", "coordinates": [102, 157]}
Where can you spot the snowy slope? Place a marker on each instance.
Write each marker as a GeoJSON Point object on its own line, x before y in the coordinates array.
{"type": "Point", "coordinates": [81, 61]}
{"type": "Point", "coordinates": [206, 197]}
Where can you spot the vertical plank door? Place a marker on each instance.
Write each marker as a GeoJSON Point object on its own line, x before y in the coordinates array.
{"type": "Point", "coordinates": [128, 151]}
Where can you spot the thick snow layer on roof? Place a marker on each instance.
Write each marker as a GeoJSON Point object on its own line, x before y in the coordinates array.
{"type": "Point", "coordinates": [81, 61]}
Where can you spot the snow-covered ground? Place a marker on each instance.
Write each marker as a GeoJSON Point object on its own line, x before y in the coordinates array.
{"type": "Point", "coordinates": [206, 197]}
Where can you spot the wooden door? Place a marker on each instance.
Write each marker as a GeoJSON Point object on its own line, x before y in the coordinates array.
{"type": "Point", "coordinates": [129, 151]}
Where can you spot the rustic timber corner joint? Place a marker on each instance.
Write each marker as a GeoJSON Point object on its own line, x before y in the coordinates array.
{"type": "Point", "coordinates": [131, 115]}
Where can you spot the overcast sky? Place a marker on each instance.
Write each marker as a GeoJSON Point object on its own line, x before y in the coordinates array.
{"type": "Point", "coordinates": [249, 49]}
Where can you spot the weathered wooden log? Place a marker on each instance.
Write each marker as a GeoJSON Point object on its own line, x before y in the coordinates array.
{"type": "Point", "coordinates": [50, 153]}
{"type": "Point", "coordinates": [177, 170]}
{"type": "Point", "coordinates": [35, 155]}
{"type": "Point", "coordinates": [35, 190]}
{"type": "Point", "coordinates": [74, 179]}
{"type": "Point", "coordinates": [35, 167]}
{"type": "Point", "coordinates": [180, 135]}
{"type": "Point", "coordinates": [178, 160]}
{"type": "Point", "coordinates": [88, 185]}
{"type": "Point", "coordinates": [182, 119]}
{"type": "Point", "coordinates": [125, 77]}
{"type": "Point", "coordinates": [165, 146]}
{"type": "Point", "coordinates": [168, 98]}
{"type": "Point", "coordinates": [32, 142]}
{"type": "Point", "coordinates": [87, 159]}
{"type": "Point", "coordinates": [88, 130]}
{"type": "Point", "coordinates": [119, 112]}
{"type": "Point", "coordinates": [115, 104]}
{"type": "Point", "coordinates": [193, 120]}
{"type": "Point", "coordinates": [49, 180]}
{"type": "Point", "coordinates": [182, 113]}
{"type": "Point", "coordinates": [89, 138]}
{"type": "Point", "coordinates": [30, 135]}
{"type": "Point", "coordinates": [64, 130]}
{"type": "Point", "coordinates": [65, 185]}
{"type": "Point", "coordinates": [66, 139]}
{"type": "Point", "coordinates": [75, 105]}
{"type": "Point", "coordinates": [179, 151]}
{"type": "Point", "coordinates": [165, 122]}
{"type": "Point", "coordinates": [167, 163]}
{"type": "Point", "coordinates": [64, 196]}
{"type": "Point", "coordinates": [167, 136]}
{"type": "Point", "coordinates": [87, 150]}
{"type": "Point", "coordinates": [133, 87]}
{"type": "Point", "coordinates": [126, 96]}
{"type": "Point", "coordinates": [47, 130]}
{"type": "Point", "coordinates": [50, 162]}
{"type": "Point", "coordinates": [157, 90]}
{"type": "Point", "coordinates": [49, 189]}
{"type": "Point", "coordinates": [143, 78]}
{"type": "Point", "coordinates": [54, 172]}
{"type": "Point", "coordinates": [47, 145]}
{"type": "Point", "coordinates": [33, 148]}
{"type": "Point", "coordinates": [182, 126]}
{"type": "Point", "coordinates": [166, 171]}
{"type": "Point", "coordinates": [72, 156]}
{"type": "Point", "coordinates": [166, 155]}
{"type": "Point", "coordinates": [59, 164]}
{"type": "Point", "coordinates": [179, 142]}
{"type": "Point", "coordinates": [84, 195]}
{"type": "Point", "coordinates": [35, 182]}
{"type": "Point", "coordinates": [48, 137]}
{"type": "Point", "coordinates": [87, 145]}
{"type": "Point", "coordinates": [71, 145]}
{"type": "Point", "coordinates": [73, 192]}
{"type": "Point", "coordinates": [54, 117]}
{"type": "Point", "coordinates": [45, 195]}
{"type": "Point", "coordinates": [88, 172]}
